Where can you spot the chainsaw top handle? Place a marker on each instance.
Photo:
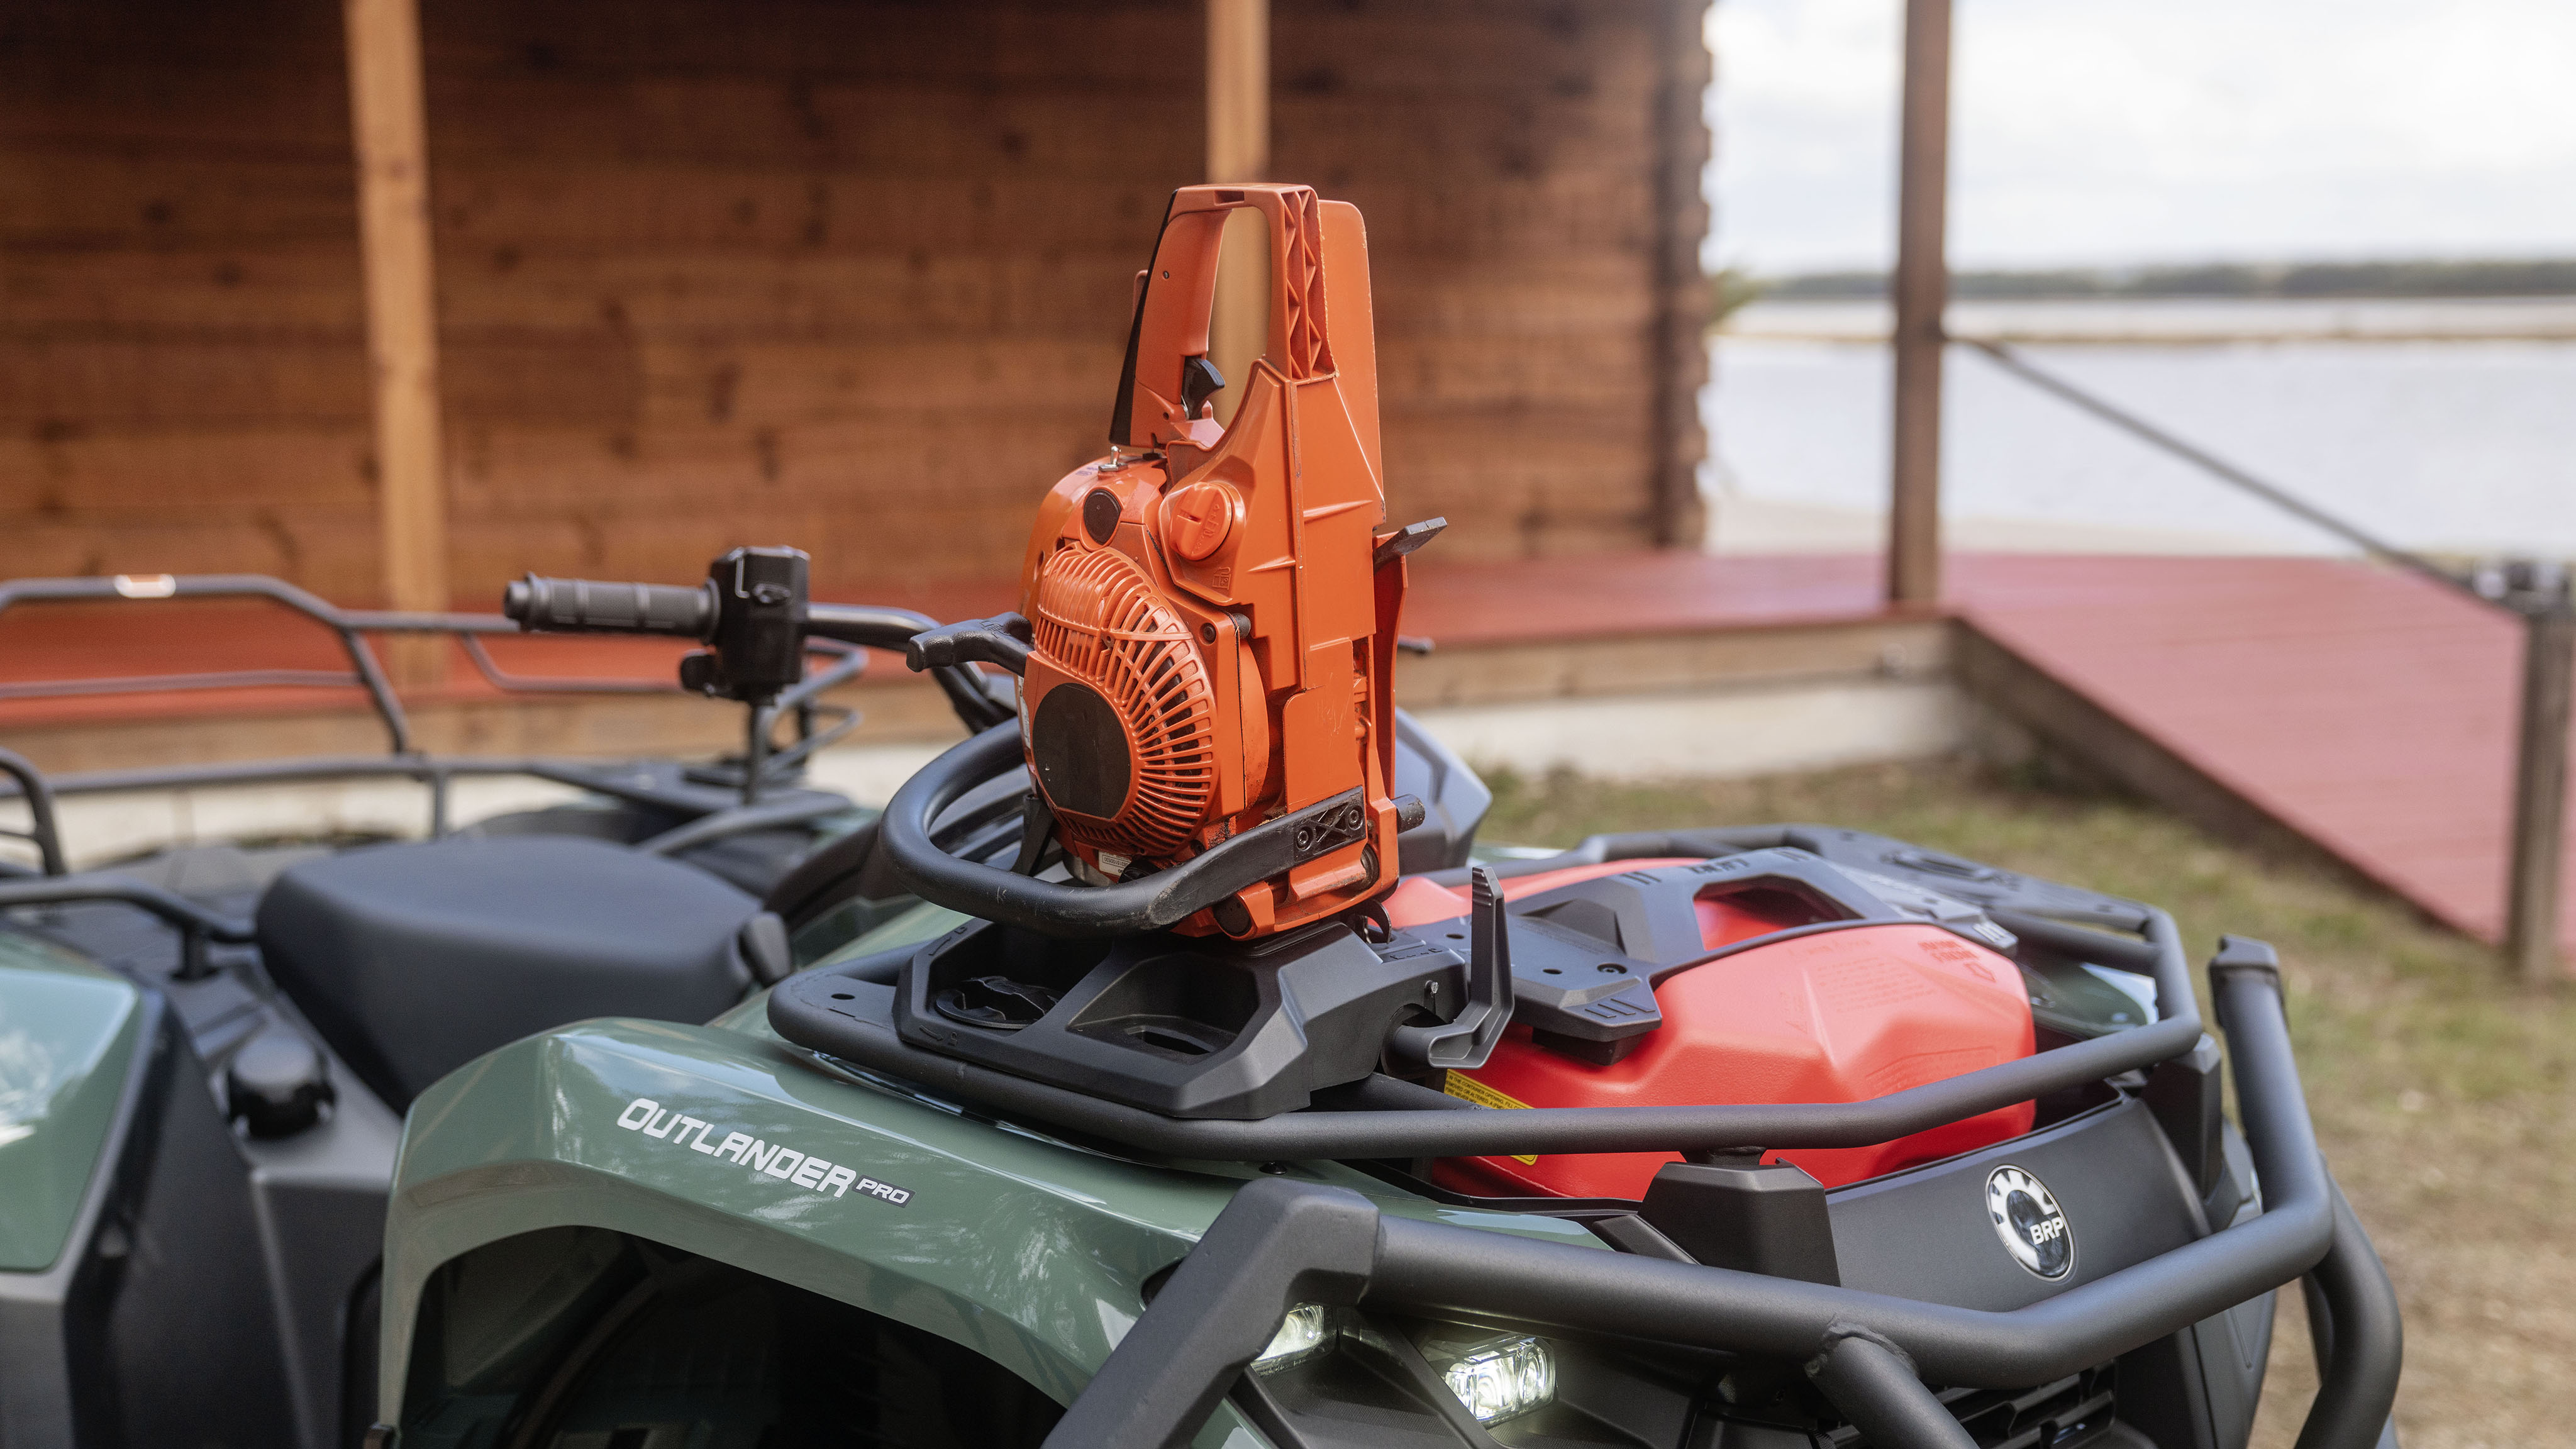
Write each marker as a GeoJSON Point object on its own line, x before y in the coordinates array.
{"type": "Point", "coordinates": [1169, 376]}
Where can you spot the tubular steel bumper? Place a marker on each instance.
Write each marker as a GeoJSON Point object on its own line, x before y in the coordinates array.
{"type": "Point", "coordinates": [1279, 1243]}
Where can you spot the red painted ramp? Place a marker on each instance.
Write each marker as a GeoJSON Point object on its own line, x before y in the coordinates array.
{"type": "Point", "coordinates": [2369, 710]}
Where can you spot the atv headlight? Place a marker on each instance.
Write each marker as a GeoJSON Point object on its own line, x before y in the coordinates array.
{"type": "Point", "coordinates": [1302, 1335]}
{"type": "Point", "coordinates": [1502, 1378]}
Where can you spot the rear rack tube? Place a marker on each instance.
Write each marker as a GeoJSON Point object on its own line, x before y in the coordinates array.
{"type": "Point", "coordinates": [196, 925]}
{"type": "Point", "coordinates": [42, 831]}
{"type": "Point", "coordinates": [363, 669]}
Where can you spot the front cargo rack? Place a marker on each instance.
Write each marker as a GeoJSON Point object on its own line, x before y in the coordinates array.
{"type": "Point", "coordinates": [1282, 1243]}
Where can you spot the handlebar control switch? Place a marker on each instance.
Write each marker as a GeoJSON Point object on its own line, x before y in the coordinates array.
{"type": "Point", "coordinates": [752, 611]}
{"type": "Point", "coordinates": [759, 633]}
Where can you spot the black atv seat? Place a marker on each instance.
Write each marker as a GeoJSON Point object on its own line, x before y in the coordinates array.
{"type": "Point", "coordinates": [414, 959]}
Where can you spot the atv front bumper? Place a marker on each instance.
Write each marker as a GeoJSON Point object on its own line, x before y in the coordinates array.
{"type": "Point", "coordinates": [1281, 1243]}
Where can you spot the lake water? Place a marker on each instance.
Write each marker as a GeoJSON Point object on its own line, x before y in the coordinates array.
{"type": "Point", "coordinates": [2437, 425]}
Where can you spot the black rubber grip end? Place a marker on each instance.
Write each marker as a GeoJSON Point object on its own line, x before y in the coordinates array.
{"type": "Point", "coordinates": [586, 606]}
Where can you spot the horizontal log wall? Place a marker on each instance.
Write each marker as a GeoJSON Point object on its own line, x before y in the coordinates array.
{"type": "Point", "coordinates": [848, 276]}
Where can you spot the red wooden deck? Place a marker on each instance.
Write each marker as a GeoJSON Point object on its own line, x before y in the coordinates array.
{"type": "Point", "coordinates": [2369, 711]}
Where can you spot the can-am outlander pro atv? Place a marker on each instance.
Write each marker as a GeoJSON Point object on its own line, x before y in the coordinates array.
{"type": "Point", "coordinates": [1192, 1078]}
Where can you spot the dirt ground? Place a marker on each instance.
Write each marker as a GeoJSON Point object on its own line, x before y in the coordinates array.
{"type": "Point", "coordinates": [2441, 1092]}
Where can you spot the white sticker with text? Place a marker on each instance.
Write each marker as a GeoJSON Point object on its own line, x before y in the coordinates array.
{"type": "Point", "coordinates": [774, 1159]}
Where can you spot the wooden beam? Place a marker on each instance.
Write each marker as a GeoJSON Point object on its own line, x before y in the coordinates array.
{"type": "Point", "coordinates": [1922, 293]}
{"type": "Point", "coordinates": [1238, 149]}
{"type": "Point", "coordinates": [402, 319]}
{"type": "Point", "coordinates": [2540, 790]}
{"type": "Point", "coordinates": [1238, 98]}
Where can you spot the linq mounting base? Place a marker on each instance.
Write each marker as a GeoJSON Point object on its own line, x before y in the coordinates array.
{"type": "Point", "coordinates": [1207, 1027]}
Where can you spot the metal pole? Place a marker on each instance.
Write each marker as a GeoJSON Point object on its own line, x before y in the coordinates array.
{"type": "Point", "coordinates": [1922, 288]}
{"type": "Point", "coordinates": [2540, 786]}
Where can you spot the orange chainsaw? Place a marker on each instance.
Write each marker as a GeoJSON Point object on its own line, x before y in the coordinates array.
{"type": "Point", "coordinates": [1207, 623]}
{"type": "Point", "coordinates": [1205, 647]}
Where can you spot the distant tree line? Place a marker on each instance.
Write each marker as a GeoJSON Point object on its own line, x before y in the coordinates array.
{"type": "Point", "coordinates": [2213, 279]}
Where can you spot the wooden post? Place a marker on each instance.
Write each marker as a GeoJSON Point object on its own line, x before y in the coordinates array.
{"type": "Point", "coordinates": [2540, 789]}
{"type": "Point", "coordinates": [402, 319]}
{"type": "Point", "coordinates": [1922, 288]}
{"type": "Point", "coordinates": [1238, 149]}
{"type": "Point", "coordinates": [1679, 336]}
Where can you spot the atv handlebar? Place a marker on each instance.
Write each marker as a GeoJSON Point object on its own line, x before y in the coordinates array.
{"type": "Point", "coordinates": [585, 606]}
{"type": "Point", "coordinates": [752, 608]}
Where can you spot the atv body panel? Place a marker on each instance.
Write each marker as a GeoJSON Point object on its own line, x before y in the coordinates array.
{"type": "Point", "coordinates": [203, 1287]}
{"type": "Point", "coordinates": [1029, 1251]}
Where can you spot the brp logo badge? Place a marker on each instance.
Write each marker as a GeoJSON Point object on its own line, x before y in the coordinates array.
{"type": "Point", "coordinates": [2027, 1218]}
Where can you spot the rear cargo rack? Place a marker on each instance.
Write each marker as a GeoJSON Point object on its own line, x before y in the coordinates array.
{"type": "Point", "coordinates": [707, 818]}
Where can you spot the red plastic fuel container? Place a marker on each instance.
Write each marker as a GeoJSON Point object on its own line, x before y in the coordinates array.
{"type": "Point", "coordinates": [1837, 1016]}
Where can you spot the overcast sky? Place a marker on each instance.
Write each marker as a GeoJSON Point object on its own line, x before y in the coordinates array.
{"type": "Point", "coordinates": [2119, 131]}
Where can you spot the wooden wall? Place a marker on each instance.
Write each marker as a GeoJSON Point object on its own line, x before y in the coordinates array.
{"type": "Point", "coordinates": [849, 276]}
{"type": "Point", "coordinates": [182, 380]}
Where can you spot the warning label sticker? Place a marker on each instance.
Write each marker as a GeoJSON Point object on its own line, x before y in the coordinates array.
{"type": "Point", "coordinates": [1467, 1089]}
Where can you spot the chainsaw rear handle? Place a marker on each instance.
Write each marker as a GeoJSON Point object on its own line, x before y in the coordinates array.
{"type": "Point", "coordinates": [587, 606]}
{"type": "Point", "coordinates": [1281, 1242]}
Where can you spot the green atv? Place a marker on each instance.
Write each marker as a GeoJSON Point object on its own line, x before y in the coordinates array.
{"type": "Point", "coordinates": [791, 1225]}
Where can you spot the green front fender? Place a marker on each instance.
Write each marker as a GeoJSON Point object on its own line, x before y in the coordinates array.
{"type": "Point", "coordinates": [70, 1035]}
{"type": "Point", "coordinates": [1028, 1250]}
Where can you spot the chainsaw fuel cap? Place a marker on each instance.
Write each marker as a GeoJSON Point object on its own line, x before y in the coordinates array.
{"type": "Point", "coordinates": [1198, 518]}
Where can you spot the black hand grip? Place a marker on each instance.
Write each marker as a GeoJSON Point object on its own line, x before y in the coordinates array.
{"type": "Point", "coordinates": [584, 606]}
{"type": "Point", "coordinates": [1002, 639]}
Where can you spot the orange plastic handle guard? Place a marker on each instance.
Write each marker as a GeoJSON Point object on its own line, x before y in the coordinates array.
{"type": "Point", "coordinates": [1172, 308]}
